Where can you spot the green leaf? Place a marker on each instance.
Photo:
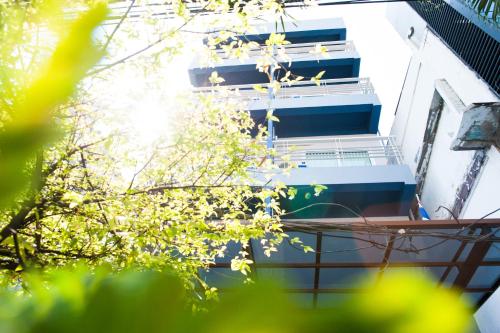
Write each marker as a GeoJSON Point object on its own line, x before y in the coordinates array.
{"type": "Point", "coordinates": [292, 192]}
{"type": "Point", "coordinates": [271, 117]}
{"type": "Point", "coordinates": [320, 75]}
{"type": "Point", "coordinates": [318, 189]}
{"type": "Point", "coordinates": [215, 78]}
{"type": "Point", "coordinates": [259, 88]}
{"type": "Point", "coordinates": [31, 124]}
{"type": "Point", "coordinates": [307, 249]}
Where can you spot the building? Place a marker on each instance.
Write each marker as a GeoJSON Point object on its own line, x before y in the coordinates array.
{"type": "Point", "coordinates": [440, 84]}
{"type": "Point", "coordinates": [361, 223]}
{"type": "Point", "coordinates": [332, 127]}
{"type": "Point", "coordinates": [449, 98]}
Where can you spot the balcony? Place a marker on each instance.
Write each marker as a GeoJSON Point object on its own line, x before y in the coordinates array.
{"type": "Point", "coordinates": [340, 61]}
{"type": "Point", "coordinates": [338, 151]}
{"type": "Point", "coordinates": [310, 31]}
{"type": "Point", "coordinates": [335, 107]}
{"type": "Point", "coordinates": [366, 174]}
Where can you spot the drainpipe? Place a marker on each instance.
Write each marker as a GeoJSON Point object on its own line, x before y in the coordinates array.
{"type": "Point", "coordinates": [270, 124]}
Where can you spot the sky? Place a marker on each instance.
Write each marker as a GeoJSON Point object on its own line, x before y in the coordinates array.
{"type": "Point", "coordinates": [384, 59]}
{"type": "Point", "coordinates": [384, 55]}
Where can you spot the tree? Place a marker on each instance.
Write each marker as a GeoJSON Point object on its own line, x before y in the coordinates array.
{"type": "Point", "coordinates": [92, 193]}
{"type": "Point", "coordinates": [155, 302]}
{"type": "Point", "coordinates": [486, 9]}
{"type": "Point", "coordinates": [83, 190]}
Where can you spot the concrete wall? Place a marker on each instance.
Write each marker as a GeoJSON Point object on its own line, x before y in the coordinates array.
{"type": "Point", "coordinates": [434, 66]}
{"type": "Point", "coordinates": [487, 317]}
{"type": "Point", "coordinates": [485, 196]}
{"type": "Point", "coordinates": [446, 167]}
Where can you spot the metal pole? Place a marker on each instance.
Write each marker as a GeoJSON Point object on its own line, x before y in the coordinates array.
{"type": "Point", "coordinates": [270, 125]}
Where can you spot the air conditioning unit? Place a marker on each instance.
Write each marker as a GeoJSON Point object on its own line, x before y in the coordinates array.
{"type": "Point", "coordinates": [480, 127]}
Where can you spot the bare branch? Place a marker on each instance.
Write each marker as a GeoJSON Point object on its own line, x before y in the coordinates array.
{"type": "Point", "coordinates": [110, 37]}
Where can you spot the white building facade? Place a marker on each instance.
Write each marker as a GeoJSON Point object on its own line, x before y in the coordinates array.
{"type": "Point", "coordinates": [446, 76]}
{"type": "Point", "coordinates": [438, 79]}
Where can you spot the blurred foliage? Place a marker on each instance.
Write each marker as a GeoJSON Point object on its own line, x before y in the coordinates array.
{"type": "Point", "coordinates": [28, 104]}
{"type": "Point", "coordinates": [487, 9]}
{"type": "Point", "coordinates": [74, 199]}
{"type": "Point", "coordinates": [154, 302]}
{"type": "Point", "coordinates": [99, 195]}
{"type": "Point", "coordinates": [76, 184]}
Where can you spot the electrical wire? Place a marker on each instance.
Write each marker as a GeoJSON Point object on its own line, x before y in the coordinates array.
{"type": "Point", "coordinates": [308, 227]}
{"type": "Point", "coordinates": [166, 11]}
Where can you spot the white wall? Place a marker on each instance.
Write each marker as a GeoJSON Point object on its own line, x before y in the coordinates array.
{"type": "Point", "coordinates": [485, 196]}
{"type": "Point", "coordinates": [435, 67]}
{"type": "Point", "coordinates": [446, 167]}
{"type": "Point", "coordinates": [431, 63]}
{"type": "Point", "coordinates": [384, 56]}
{"type": "Point", "coordinates": [488, 316]}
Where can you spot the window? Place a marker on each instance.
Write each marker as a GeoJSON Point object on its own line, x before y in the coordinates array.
{"type": "Point", "coordinates": [336, 159]}
{"type": "Point", "coordinates": [322, 159]}
{"type": "Point", "coordinates": [355, 158]}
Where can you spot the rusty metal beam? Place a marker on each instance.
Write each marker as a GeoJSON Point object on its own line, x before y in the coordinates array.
{"type": "Point", "coordinates": [387, 254]}
{"type": "Point", "coordinates": [295, 224]}
{"type": "Point", "coordinates": [473, 261]}
{"type": "Point", "coordinates": [347, 290]}
{"type": "Point", "coordinates": [455, 258]}
{"type": "Point", "coordinates": [359, 264]}
{"type": "Point", "coordinates": [317, 270]}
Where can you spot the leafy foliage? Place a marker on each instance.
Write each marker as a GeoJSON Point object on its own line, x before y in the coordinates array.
{"type": "Point", "coordinates": [28, 105]}
{"type": "Point", "coordinates": [76, 185]}
{"type": "Point", "coordinates": [76, 301]}
{"type": "Point", "coordinates": [97, 195]}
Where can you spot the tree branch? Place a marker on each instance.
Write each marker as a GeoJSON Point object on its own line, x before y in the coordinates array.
{"type": "Point", "coordinates": [147, 47]}
{"type": "Point", "coordinates": [18, 251]}
{"type": "Point", "coordinates": [110, 37]}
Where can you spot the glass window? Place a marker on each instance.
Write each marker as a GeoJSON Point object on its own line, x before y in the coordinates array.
{"type": "Point", "coordinates": [322, 159]}
{"type": "Point", "coordinates": [335, 159]}
{"type": "Point", "coordinates": [355, 158]}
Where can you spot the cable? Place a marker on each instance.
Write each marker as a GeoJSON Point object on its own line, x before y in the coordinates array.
{"type": "Point", "coordinates": [407, 235]}
{"type": "Point", "coordinates": [196, 9]}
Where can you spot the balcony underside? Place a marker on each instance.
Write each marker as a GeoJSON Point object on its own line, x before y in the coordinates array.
{"type": "Point", "coordinates": [235, 72]}
{"type": "Point", "coordinates": [323, 120]}
{"type": "Point", "coordinates": [312, 36]}
{"type": "Point", "coordinates": [300, 31]}
{"type": "Point", "coordinates": [380, 190]}
{"type": "Point", "coordinates": [367, 199]}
